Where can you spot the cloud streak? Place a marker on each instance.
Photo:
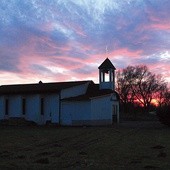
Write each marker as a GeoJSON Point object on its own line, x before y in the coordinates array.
{"type": "Point", "coordinates": [65, 40]}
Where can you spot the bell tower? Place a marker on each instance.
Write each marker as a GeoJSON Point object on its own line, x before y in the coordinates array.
{"type": "Point", "coordinates": [107, 68]}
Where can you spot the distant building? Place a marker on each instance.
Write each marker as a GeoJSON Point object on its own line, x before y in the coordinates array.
{"type": "Point", "coordinates": [65, 103]}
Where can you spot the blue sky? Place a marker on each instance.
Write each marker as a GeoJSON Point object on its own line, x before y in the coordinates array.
{"type": "Point", "coordinates": [66, 40]}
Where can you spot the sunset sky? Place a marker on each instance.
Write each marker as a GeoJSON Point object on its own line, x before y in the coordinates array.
{"type": "Point", "coordinates": [66, 40]}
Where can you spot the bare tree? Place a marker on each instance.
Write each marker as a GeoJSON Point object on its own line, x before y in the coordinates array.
{"type": "Point", "coordinates": [139, 85]}
{"type": "Point", "coordinates": [167, 98]}
{"type": "Point", "coordinates": [163, 96]}
{"type": "Point", "coordinates": [124, 90]}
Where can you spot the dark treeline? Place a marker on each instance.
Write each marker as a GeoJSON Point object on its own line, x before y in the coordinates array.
{"type": "Point", "coordinates": [141, 91]}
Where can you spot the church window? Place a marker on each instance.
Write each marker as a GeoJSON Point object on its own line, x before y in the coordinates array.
{"type": "Point", "coordinates": [23, 106]}
{"type": "Point", "coordinates": [6, 107]}
{"type": "Point", "coordinates": [42, 106]}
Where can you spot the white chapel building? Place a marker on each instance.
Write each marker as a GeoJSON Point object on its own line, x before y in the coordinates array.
{"type": "Point", "coordinates": [75, 103]}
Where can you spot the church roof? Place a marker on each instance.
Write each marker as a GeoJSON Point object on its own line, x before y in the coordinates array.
{"type": "Point", "coordinates": [39, 87]}
{"type": "Point", "coordinates": [92, 92]}
{"type": "Point", "coordinates": [107, 64]}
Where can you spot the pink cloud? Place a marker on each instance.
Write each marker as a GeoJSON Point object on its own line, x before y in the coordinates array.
{"type": "Point", "coordinates": [159, 20]}
{"type": "Point", "coordinates": [161, 68]}
{"type": "Point", "coordinates": [121, 52]}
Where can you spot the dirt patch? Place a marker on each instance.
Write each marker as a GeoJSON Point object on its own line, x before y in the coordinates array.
{"type": "Point", "coordinates": [58, 145]}
{"type": "Point", "coordinates": [141, 124]}
{"type": "Point", "coordinates": [84, 148]}
{"type": "Point", "coordinates": [136, 161]}
{"type": "Point", "coordinates": [21, 157]}
{"type": "Point", "coordinates": [162, 155]}
{"type": "Point", "coordinates": [151, 167]}
{"type": "Point", "coordinates": [82, 144]}
{"type": "Point", "coordinates": [6, 154]}
{"type": "Point", "coordinates": [82, 153]}
{"type": "Point", "coordinates": [158, 147]}
{"type": "Point", "coordinates": [57, 154]}
{"type": "Point", "coordinates": [45, 153]}
{"type": "Point", "coordinates": [43, 161]}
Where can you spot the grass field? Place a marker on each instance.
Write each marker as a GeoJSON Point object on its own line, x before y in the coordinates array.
{"type": "Point", "coordinates": [124, 147]}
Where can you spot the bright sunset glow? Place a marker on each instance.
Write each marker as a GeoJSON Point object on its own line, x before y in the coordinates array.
{"type": "Point", "coordinates": [65, 40]}
{"type": "Point", "coordinates": [154, 102]}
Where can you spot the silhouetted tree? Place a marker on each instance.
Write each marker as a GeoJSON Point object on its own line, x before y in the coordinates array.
{"type": "Point", "coordinates": [163, 114]}
{"type": "Point", "coordinates": [163, 110]}
{"type": "Point", "coordinates": [163, 96]}
{"type": "Point", "coordinates": [167, 98]}
{"type": "Point", "coordinates": [125, 92]}
{"type": "Point", "coordinates": [138, 84]}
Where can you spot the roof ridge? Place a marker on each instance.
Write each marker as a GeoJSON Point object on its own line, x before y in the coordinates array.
{"type": "Point", "coordinates": [45, 83]}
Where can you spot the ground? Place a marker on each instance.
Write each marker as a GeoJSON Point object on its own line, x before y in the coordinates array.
{"type": "Point", "coordinates": [129, 146]}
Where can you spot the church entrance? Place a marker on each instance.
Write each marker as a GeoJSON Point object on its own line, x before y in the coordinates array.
{"type": "Point", "coordinates": [114, 113]}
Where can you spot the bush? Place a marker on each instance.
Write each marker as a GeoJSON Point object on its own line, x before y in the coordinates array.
{"type": "Point", "coordinates": [163, 114]}
{"type": "Point", "coordinates": [16, 121]}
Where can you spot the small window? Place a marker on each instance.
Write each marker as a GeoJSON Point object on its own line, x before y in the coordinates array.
{"type": "Point", "coordinates": [42, 106]}
{"type": "Point", "coordinates": [23, 106]}
{"type": "Point", "coordinates": [6, 107]}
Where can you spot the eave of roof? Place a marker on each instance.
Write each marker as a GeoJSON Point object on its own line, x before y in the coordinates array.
{"type": "Point", "coordinates": [39, 88]}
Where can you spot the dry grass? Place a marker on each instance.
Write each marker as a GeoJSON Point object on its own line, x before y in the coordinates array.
{"type": "Point", "coordinates": [115, 148]}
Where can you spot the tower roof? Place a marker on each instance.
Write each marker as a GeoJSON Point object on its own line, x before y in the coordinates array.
{"type": "Point", "coordinates": [107, 64]}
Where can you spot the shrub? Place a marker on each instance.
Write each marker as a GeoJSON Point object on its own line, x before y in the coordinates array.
{"type": "Point", "coordinates": [163, 114]}
{"type": "Point", "coordinates": [16, 121]}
